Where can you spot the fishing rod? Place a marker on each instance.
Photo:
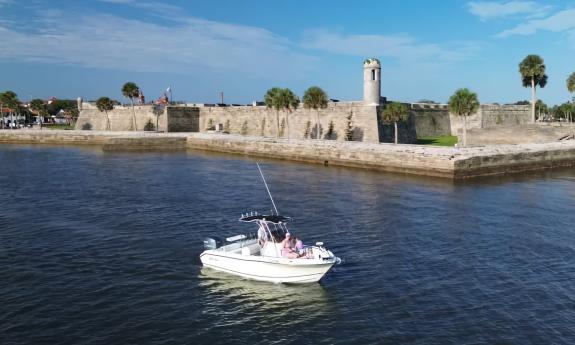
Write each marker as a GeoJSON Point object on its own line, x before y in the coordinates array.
{"type": "Point", "coordinates": [269, 193]}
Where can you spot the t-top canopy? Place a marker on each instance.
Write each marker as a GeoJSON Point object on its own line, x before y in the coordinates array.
{"type": "Point", "coordinates": [276, 219]}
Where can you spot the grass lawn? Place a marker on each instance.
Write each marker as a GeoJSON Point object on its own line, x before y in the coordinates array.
{"type": "Point", "coordinates": [445, 140]}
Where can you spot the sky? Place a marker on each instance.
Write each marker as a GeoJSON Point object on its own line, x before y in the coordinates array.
{"type": "Point", "coordinates": [428, 49]}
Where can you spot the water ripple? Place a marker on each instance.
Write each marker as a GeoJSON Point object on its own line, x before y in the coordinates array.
{"type": "Point", "coordinates": [103, 249]}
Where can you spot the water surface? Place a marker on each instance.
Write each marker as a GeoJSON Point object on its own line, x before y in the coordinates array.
{"type": "Point", "coordinates": [102, 248]}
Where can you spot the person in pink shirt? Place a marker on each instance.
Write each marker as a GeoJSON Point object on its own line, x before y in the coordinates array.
{"type": "Point", "coordinates": [298, 246]}
{"type": "Point", "coordinates": [288, 249]}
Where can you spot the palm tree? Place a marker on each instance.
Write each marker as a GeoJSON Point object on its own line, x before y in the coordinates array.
{"type": "Point", "coordinates": [464, 103]}
{"type": "Point", "coordinates": [131, 90]}
{"type": "Point", "coordinates": [571, 83]}
{"type": "Point", "coordinates": [288, 101]}
{"type": "Point", "coordinates": [393, 113]}
{"type": "Point", "coordinates": [104, 104]}
{"type": "Point", "coordinates": [158, 111]}
{"type": "Point", "coordinates": [315, 98]}
{"type": "Point", "coordinates": [532, 71]}
{"type": "Point", "coordinates": [272, 100]}
{"type": "Point", "coordinates": [281, 99]}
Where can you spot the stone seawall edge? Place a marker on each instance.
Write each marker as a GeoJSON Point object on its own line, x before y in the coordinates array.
{"type": "Point", "coordinates": [443, 162]}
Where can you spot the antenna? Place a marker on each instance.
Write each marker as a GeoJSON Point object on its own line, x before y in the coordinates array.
{"type": "Point", "coordinates": [265, 183]}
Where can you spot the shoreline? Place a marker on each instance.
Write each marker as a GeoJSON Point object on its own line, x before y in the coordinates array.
{"type": "Point", "coordinates": [446, 162]}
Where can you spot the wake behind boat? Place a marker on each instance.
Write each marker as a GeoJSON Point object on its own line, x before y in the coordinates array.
{"type": "Point", "coordinates": [271, 254]}
{"type": "Point", "coordinates": [266, 256]}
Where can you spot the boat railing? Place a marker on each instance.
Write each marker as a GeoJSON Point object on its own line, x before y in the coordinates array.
{"type": "Point", "coordinates": [241, 240]}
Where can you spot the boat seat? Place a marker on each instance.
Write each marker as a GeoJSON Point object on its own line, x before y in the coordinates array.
{"type": "Point", "coordinates": [252, 249]}
{"type": "Point", "coordinates": [269, 250]}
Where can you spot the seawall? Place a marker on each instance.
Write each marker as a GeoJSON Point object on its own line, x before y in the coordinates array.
{"type": "Point", "coordinates": [109, 141]}
{"type": "Point", "coordinates": [446, 162]}
{"type": "Point", "coordinates": [431, 161]}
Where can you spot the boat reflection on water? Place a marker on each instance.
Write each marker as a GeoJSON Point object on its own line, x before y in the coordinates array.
{"type": "Point", "coordinates": [300, 302]}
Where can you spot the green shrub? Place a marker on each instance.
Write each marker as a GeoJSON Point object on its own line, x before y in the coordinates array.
{"type": "Point", "coordinates": [149, 127]}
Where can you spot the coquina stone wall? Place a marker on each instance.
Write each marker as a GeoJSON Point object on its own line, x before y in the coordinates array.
{"type": "Point", "coordinates": [147, 117]}
{"type": "Point", "coordinates": [340, 121]}
{"type": "Point", "coordinates": [450, 162]}
{"type": "Point", "coordinates": [335, 122]}
{"type": "Point", "coordinates": [435, 119]}
{"type": "Point", "coordinates": [506, 115]}
{"type": "Point", "coordinates": [430, 120]}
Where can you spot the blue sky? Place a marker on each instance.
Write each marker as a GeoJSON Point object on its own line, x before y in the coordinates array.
{"type": "Point", "coordinates": [428, 49]}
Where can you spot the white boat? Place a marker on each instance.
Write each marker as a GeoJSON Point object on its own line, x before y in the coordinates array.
{"type": "Point", "coordinates": [260, 257]}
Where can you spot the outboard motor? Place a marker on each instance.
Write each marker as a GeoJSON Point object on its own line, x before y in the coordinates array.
{"type": "Point", "coordinates": [212, 243]}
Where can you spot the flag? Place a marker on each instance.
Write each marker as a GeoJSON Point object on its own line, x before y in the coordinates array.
{"type": "Point", "coordinates": [169, 89]}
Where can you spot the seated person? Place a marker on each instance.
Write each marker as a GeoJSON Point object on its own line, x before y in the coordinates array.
{"type": "Point", "coordinates": [300, 250]}
{"type": "Point", "coordinates": [288, 249]}
{"type": "Point", "coordinates": [298, 246]}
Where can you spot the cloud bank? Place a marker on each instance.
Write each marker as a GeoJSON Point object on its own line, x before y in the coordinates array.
{"type": "Point", "coordinates": [398, 46]}
{"type": "Point", "coordinates": [487, 10]}
{"type": "Point", "coordinates": [112, 42]}
{"type": "Point", "coordinates": [558, 22]}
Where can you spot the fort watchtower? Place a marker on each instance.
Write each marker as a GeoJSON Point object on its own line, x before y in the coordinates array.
{"type": "Point", "coordinates": [371, 81]}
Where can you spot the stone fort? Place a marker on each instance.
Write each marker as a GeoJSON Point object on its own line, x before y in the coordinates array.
{"type": "Point", "coordinates": [349, 120]}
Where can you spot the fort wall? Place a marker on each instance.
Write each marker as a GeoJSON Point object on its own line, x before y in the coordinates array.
{"type": "Point", "coordinates": [435, 119]}
{"type": "Point", "coordinates": [121, 118]}
{"type": "Point", "coordinates": [340, 121]}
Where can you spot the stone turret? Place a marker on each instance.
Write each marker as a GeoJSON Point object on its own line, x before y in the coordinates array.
{"type": "Point", "coordinates": [371, 81]}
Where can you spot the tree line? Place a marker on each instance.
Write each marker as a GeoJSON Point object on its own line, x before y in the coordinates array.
{"type": "Point", "coordinates": [11, 105]}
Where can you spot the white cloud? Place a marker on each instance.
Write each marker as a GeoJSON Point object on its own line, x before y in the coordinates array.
{"type": "Point", "coordinates": [560, 21]}
{"type": "Point", "coordinates": [487, 10]}
{"type": "Point", "coordinates": [400, 46]}
{"type": "Point", "coordinates": [155, 8]}
{"type": "Point", "coordinates": [191, 44]}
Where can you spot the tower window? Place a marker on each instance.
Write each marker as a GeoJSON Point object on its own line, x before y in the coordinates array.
{"type": "Point", "coordinates": [372, 74]}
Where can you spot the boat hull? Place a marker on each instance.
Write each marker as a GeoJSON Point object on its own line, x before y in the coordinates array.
{"type": "Point", "coordinates": [270, 269]}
